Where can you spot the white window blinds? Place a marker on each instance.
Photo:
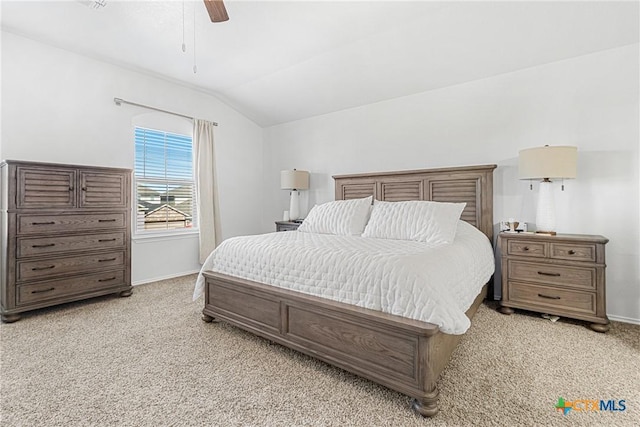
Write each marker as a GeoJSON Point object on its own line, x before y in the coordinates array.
{"type": "Point", "coordinates": [164, 181]}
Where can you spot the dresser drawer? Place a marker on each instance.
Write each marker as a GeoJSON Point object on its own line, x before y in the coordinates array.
{"type": "Point", "coordinates": [28, 270]}
{"type": "Point", "coordinates": [558, 300]}
{"type": "Point", "coordinates": [574, 252]}
{"type": "Point", "coordinates": [30, 224]}
{"type": "Point", "coordinates": [527, 248]}
{"type": "Point", "coordinates": [29, 294]}
{"type": "Point", "coordinates": [550, 274]}
{"type": "Point", "coordinates": [30, 246]}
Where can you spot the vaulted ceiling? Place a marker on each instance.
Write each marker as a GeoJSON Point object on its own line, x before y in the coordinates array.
{"type": "Point", "coordinates": [280, 61]}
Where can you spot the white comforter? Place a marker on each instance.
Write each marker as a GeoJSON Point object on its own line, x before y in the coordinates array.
{"type": "Point", "coordinates": [432, 283]}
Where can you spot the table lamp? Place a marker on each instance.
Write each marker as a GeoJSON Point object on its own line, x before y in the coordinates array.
{"type": "Point", "coordinates": [294, 180]}
{"type": "Point", "coordinates": [545, 163]}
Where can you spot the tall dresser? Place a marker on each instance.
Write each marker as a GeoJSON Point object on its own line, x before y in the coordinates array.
{"type": "Point", "coordinates": [65, 234]}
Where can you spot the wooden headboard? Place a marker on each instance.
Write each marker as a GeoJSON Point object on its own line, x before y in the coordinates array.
{"type": "Point", "coordinates": [470, 184]}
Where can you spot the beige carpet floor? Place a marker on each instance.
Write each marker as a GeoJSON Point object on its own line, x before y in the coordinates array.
{"type": "Point", "coordinates": [149, 360]}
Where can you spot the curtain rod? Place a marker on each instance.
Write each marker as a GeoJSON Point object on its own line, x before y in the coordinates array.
{"type": "Point", "coordinates": [120, 101]}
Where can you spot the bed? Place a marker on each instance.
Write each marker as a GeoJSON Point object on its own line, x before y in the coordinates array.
{"type": "Point", "coordinates": [401, 353]}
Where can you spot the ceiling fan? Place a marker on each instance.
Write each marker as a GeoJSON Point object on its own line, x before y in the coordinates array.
{"type": "Point", "coordinates": [217, 11]}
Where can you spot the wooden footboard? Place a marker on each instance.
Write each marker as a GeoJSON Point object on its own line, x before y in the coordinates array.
{"type": "Point", "coordinates": [402, 354]}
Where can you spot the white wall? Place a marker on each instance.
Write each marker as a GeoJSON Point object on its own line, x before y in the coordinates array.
{"type": "Point", "coordinates": [58, 106]}
{"type": "Point", "coordinates": [589, 101]}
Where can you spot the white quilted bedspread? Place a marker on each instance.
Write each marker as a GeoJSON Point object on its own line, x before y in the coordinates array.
{"type": "Point", "coordinates": [432, 283]}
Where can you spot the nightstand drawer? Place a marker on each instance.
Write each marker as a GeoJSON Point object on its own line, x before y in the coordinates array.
{"type": "Point", "coordinates": [287, 225]}
{"type": "Point", "coordinates": [287, 228]}
{"type": "Point", "coordinates": [527, 248]}
{"type": "Point", "coordinates": [574, 252]}
{"type": "Point", "coordinates": [558, 300]}
{"type": "Point", "coordinates": [550, 274]}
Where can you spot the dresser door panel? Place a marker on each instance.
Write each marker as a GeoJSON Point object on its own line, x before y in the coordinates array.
{"type": "Point", "coordinates": [103, 189]}
{"type": "Point", "coordinates": [45, 188]}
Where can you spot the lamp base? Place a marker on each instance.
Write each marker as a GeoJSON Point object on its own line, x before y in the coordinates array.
{"type": "Point", "coordinates": [546, 212]}
{"type": "Point", "coordinates": [294, 206]}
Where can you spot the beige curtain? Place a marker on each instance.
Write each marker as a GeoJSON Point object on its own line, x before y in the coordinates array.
{"type": "Point", "coordinates": [206, 187]}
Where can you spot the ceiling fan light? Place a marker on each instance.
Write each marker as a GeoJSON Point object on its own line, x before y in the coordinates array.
{"type": "Point", "coordinates": [93, 4]}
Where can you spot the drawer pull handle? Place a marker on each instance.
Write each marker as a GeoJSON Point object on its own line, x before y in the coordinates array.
{"type": "Point", "coordinates": [42, 291]}
{"type": "Point", "coordinates": [108, 259]}
{"type": "Point", "coordinates": [71, 188]}
{"type": "Point", "coordinates": [49, 267]}
{"type": "Point", "coordinates": [107, 280]}
{"type": "Point", "coordinates": [572, 252]}
{"type": "Point", "coordinates": [106, 220]}
{"type": "Point", "coordinates": [106, 240]}
{"type": "Point", "coordinates": [526, 248]}
{"type": "Point", "coordinates": [547, 296]}
{"type": "Point", "coordinates": [43, 223]}
{"type": "Point", "coordinates": [544, 273]}
{"type": "Point", "coordinates": [84, 188]}
{"type": "Point", "coordinates": [48, 245]}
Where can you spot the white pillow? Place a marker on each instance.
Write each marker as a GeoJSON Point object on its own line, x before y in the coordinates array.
{"type": "Point", "coordinates": [423, 221]}
{"type": "Point", "coordinates": [344, 217]}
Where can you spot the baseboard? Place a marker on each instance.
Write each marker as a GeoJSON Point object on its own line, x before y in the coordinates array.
{"type": "Point", "coordinates": [624, 319]}
{"type": "Point", "coordinates": [170, 276]}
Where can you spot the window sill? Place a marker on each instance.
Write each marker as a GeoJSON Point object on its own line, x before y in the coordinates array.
{"type": "Point", "coordinates": [158, 237]}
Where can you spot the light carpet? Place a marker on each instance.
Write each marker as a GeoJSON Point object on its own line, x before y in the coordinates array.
{"type": "Point", "coordinates": [150, 360]}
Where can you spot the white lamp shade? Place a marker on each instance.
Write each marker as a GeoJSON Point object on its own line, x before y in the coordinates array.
{"type": "Point", "coordinates": [548, 162]}
{"type": "Point", "coordinates": [294, 180]}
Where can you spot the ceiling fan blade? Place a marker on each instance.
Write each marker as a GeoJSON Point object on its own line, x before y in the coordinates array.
{"type": "Point", "coordinates": [217, 11]}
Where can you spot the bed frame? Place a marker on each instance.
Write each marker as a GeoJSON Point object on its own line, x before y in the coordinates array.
{"type": "Point", "coordinates": [403, 354]}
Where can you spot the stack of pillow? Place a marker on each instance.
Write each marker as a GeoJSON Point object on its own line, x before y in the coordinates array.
{"type": "Point", "coordinates": [422, 221]}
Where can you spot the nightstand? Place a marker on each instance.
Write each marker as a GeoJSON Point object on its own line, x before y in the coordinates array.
{"type": "Point", "coordinates": [287, 225]}
{"type": "Point", "coordinates": [562, 275]}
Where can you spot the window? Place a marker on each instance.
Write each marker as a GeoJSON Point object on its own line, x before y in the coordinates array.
{"type": "Point", "coordinates": [164, 182]}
